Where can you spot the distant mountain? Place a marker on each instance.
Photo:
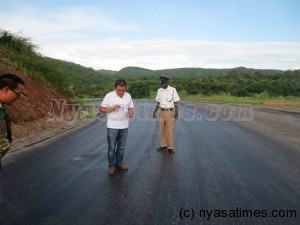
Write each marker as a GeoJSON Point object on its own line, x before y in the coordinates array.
{"type": "Point", "coordinates": [107, 72]}
{"type": "Point", "coordinates": [133, 71]}
{"type": "Point", "coordinates": [253, 71]}
{"type": "Point", "coordinates": [179, 72]}
{"type": "Point", "coordinates": [74, 80]}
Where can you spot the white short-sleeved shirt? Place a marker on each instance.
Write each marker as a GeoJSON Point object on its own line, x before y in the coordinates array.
{"type": "Point", "coordinates": [167, 97]}
{"type": "Point", "coordinates": [118, 119]}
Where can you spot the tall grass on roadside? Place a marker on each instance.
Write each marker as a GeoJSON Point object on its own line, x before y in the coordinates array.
{"type": "Point", "coordinates": [19, 53]}
{"type": "Point", "coordinates": [257, 99]}
{"type": "Point", "coordinates": [17, 42]}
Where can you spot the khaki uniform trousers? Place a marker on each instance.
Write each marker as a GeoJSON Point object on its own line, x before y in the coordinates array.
{"type": "Point", "coordinates": [166, 128]}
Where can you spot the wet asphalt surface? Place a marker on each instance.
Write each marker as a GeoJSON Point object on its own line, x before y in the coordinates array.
{"type": "Point", "coordinates": [219, 164]}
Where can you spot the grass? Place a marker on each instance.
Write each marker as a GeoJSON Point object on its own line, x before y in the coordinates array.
{"type": "Point", "coordinates": [287, 103]}
{"type": "Point", "coordinates": [258, 99]}
{"type": "Point", "coordinates": [262, 99]}
{"type": "Point", "coordinates": [224, 99]}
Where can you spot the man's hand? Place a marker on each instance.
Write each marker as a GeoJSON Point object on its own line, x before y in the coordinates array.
{"type": "Point", "coordinates": [176, 116]}
{"type": "Point", "coordinates": [130, 113]}
{"type": "Point", "coordinates": [115, 107]}
{"type": "Point", "coordinates": [107, 109]}
{"type": "Point", "coordinates": [176, 111]}
{"type": "Point", "coordinates": [156, 108]}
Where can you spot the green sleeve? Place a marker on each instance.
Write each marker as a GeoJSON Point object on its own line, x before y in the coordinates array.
{"type": "Point", "coordinates": [4, 142]}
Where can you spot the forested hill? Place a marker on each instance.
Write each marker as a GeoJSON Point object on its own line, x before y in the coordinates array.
{"type": "Point", "coordinates": [190, 72]}
{"type": "Point", "coordinates": [133, 71]}
{"type": "Point", "coordinates": [79, 81]}
{"type": "Point", "coordinates": [107, 72]}
{"type": "Point", "coordinates": [18, 53]}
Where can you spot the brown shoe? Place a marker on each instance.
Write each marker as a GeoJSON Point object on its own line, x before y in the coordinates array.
{"type": "Point", "coordinates": [171, 150]}
{"type": "Point", "coordinates": [122, 166]}
{"type": "Point", "coordinates": [161, 149]}
{"type": "Point", "coordinates": [111, 170]}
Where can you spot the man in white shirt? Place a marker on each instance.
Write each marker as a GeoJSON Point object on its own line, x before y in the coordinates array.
{"type": "Point", "coordinates": [119, 106]}
{"type": "Point", "coordinates": [167, 99]}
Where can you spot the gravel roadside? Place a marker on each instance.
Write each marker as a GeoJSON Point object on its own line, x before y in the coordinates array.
{"type": "Point", "coordinates": [53, 130]}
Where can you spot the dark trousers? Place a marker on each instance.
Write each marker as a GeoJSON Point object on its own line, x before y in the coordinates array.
{"type": "Point", "coordinates": [116, 139]}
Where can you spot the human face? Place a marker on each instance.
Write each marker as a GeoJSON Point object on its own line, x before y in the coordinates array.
{"type": "Point", "coordinates": [120, 90]}
{"type": "Point", "coordinates": [10, 95]}
{"type": "Point", "coordinates": [19, 94]}
{"type": "Point", "coordinates": [165, 84]}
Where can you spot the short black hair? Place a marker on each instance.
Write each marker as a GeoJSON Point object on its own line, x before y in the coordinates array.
{"type": "Point", "coordinates": [10, 80]}
{"type": "Point", "coordinates": [120, 82]}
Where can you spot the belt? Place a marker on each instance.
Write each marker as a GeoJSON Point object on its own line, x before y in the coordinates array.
{"type": "Point", "coordinates": [170, 109]}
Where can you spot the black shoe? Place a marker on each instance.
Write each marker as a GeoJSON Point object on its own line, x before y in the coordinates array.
{"type": "Point", "coordinates": [171, 150]}
{"type": "Point", "coordinates": [162, 149]}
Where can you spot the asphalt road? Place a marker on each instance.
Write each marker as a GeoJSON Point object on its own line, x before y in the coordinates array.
{"type": "Point", "coordinates": [236, 169]}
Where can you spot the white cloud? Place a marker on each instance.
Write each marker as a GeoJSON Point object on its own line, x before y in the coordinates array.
{"type": "Point", "coordinates": [74, 34]}
{"type": "Point", "coordinates": [68, 23]}
{"type": "Point", "coordinates": [161, 54]}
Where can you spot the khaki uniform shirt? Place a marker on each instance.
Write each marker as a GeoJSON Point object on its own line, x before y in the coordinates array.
{"type": "Point", "coordinates": [167, 97]}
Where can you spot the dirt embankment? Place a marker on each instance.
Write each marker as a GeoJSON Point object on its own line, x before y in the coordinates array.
{"type": "Point", "coordinates": [283, 105]}
{"type": "Point", "coordinates": [29, 114]}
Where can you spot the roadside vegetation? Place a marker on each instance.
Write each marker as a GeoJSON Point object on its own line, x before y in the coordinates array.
{"type": "Point", "coordinates": [237, 85]}
{"type": "Point", "coordinates": [257, 99]}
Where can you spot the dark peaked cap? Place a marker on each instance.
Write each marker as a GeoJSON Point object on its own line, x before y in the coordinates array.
{"type": "Point", "coordinates": [163, 79]}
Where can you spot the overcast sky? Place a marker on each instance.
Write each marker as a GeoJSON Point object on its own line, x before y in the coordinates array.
{"type": "Point", "coordinates": [161, 34]}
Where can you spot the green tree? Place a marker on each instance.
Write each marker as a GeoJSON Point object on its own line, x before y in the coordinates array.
{"type": "Point", "coordinates": [139, 90]}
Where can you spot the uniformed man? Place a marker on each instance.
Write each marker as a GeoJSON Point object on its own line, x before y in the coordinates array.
{"type": "Point", "coordinates": [11, 88]}
{"type": "Point", "coordinates": [167, 99]}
